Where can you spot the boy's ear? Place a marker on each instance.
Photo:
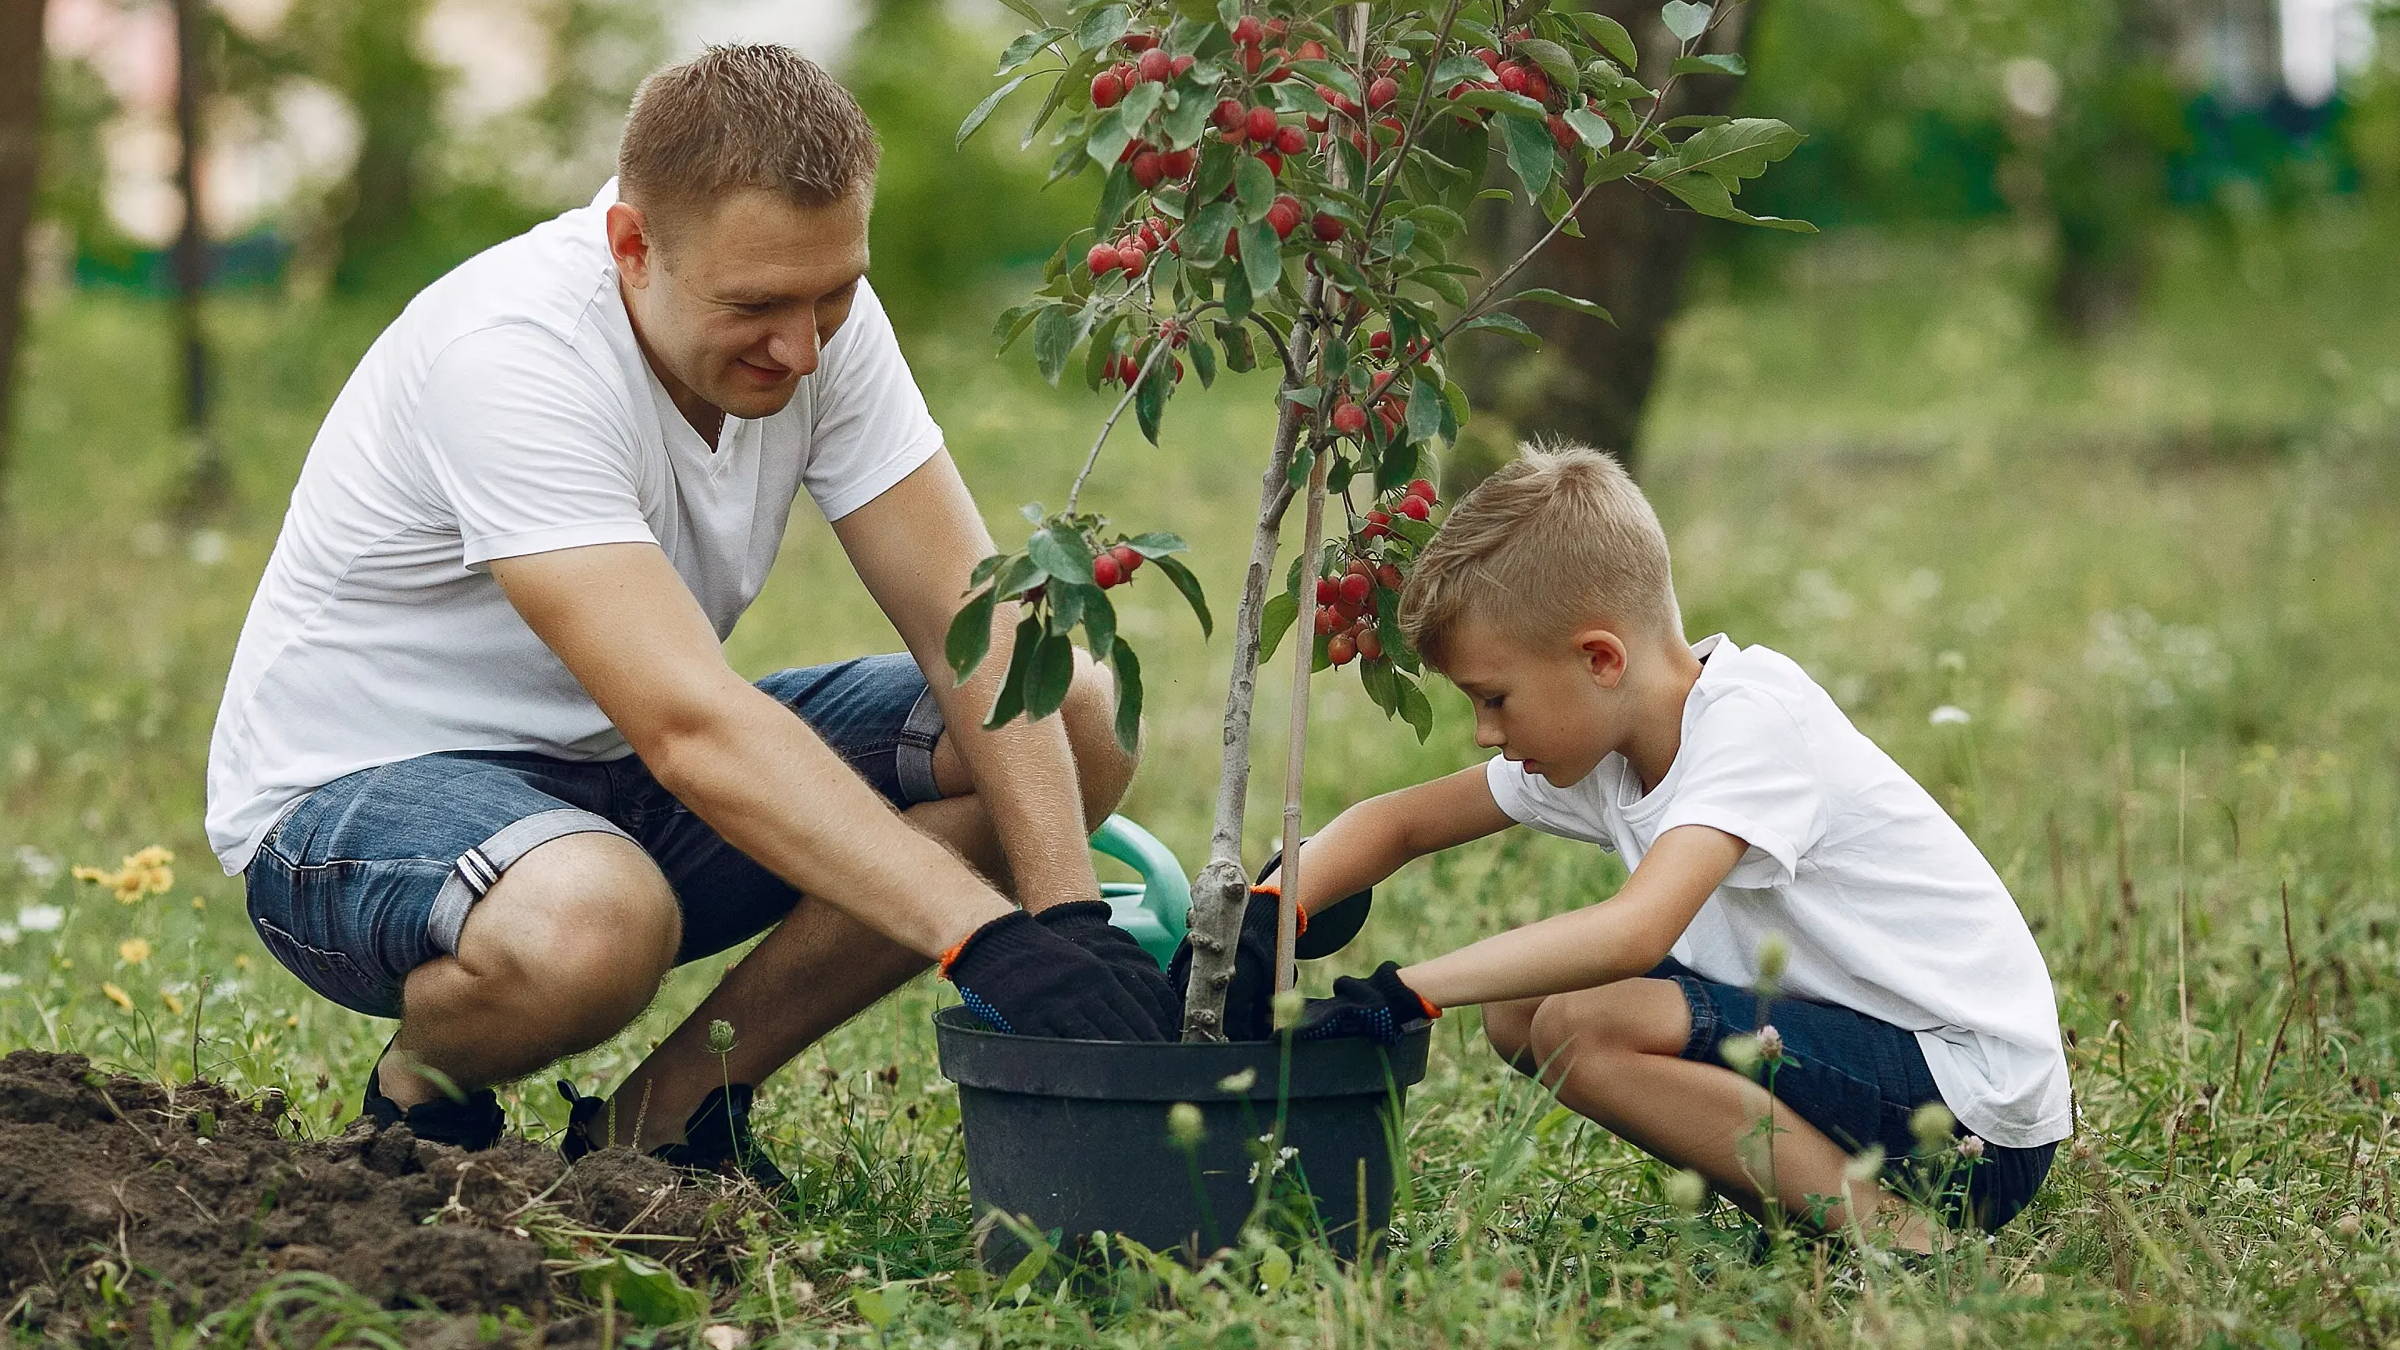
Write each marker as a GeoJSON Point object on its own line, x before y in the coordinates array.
{"type": "Point", "coordinates": [1604, 653]}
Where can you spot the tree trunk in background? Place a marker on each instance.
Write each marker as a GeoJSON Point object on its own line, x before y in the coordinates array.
{"type": "Point", "coordinates": [205, 482]}
{"type": "Point", "coordinates": [2105, 173]}
{"type": "Point", "coordinates": [387, 81]}
{"type": "Point", "coordinates": [1593, 379]}
{"type": "Point", "coordinates": [20, 174]}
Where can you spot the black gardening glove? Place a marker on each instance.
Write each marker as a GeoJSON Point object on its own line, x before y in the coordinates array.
{"type": "Point", "coordinates": [1085, 923]}
{"type": "Point", "coordinates": [1331, 928]}
{"type": "Point", "coordinates": [1020, 977]}
{"type": "Point", "coordinates": [1250, 999]}
{"type": "Point", "coordinates": [1378, 1007]}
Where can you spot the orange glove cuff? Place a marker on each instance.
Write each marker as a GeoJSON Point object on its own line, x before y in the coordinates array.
{"type": "Point", "coordinates": [1299, 915]}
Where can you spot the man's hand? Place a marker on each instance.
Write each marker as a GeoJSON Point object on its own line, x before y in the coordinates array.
{"type": "Point", "coordinates": [1020, 977]}
{"type": "Point", "coordinates": [1085, 923]}
{"type": "Point", "coordinates": [1379, 1007]}
{"type": "Point", "coordinates": [1250, 999]}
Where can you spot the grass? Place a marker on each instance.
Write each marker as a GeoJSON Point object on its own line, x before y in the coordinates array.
{"type": "Point", "coordinates": [2157, 576]}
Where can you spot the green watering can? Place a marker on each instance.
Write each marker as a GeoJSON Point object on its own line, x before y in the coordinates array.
{"type": "Point", "coordinates": [1152, 909]}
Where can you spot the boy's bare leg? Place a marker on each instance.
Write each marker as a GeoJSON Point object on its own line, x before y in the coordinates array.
{"type": "Point", "coordinates": [1614, 1054]}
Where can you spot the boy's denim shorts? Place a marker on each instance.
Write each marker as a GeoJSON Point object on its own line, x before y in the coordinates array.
{"type": "Point", "coordinates": [372, 875]}
{"type": "Point", "coordinates": [1859, 1080]}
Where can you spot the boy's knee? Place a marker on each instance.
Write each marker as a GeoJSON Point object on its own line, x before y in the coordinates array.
{"type": "Point", "coordinates": [1509, 1028]}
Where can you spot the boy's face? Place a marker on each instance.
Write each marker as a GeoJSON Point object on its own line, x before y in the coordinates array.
{"type": "Point", "coordinates": [1558, 708]}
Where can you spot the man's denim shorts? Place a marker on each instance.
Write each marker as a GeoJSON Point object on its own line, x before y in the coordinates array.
{"type": "Point", "coordinates": [1859, 1080]}
{"type": "Point", "coordinates": [370, 876]}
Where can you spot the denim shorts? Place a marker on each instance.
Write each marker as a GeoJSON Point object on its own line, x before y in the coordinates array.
{"type": "Point", "coordinates": [372, 875]}
{"type": "Point", "coordinates": [1859, 1080]}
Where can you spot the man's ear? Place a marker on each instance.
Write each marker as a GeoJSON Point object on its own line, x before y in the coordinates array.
{"type": "Point", "coordinates": [629, 243]}
{"type": "Point", "coordinates": [1604, 654]}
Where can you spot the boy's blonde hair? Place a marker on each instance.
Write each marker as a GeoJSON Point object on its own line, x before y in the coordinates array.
{"type": "Point", "coordinates": [1558, 540]}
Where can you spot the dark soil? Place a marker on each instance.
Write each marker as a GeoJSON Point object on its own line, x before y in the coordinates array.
{"type": "Point", "coordinates": [118, 1195]}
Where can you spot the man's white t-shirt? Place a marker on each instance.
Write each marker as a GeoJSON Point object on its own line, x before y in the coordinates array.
{"type": "Point", "coordinates": [1883, 903]}
{"type": "Point", "coordinates": [508, 411]}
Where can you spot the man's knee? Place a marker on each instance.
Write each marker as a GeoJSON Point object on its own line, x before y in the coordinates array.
{"type": "Point", "coordinates": [576, 935]}
{"type": "Point", "coordinates": [1103, 766]}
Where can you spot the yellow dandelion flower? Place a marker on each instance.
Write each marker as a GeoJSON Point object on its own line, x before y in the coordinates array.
{"type": "Point", "coordinates": [117, 996]}
{"type": "Point", "coordinates": [83, 873]}
{"type": "Point", "coordinates": [198, 903]}
{"type": "Point", "coordinates": [134, 951]}
{"type": "Point", "coordinates": [241, 960]}
{"type": "Point", "coordinates": [173, 1002]}
{"type": "Point", "coordinates": [129, 888]}
{"type": "Point", "coordinates": [159, 880]}
{"type": "Point", "coordinates": [153, 856]}
{"type": "Point", "coordinates": [291, 1021]}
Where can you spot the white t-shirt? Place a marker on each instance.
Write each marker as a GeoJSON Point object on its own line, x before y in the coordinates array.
{"type": "Point", "coordinates": [508, 411]}
{"type": "Point", "coordinates": [1885, 906]}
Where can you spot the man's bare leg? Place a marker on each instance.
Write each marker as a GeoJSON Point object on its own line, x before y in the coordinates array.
{"type": "Point", "coordinates": [1614, 1054]}
{"type": "Point", "coordinates": [819, 968]}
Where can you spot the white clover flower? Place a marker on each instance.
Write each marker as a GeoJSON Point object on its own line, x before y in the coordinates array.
{"type": "Point", "coordinates": [1971, 1147]}
{"type": "Point", "coordinates": [39, 868]}
{"type": "Point", "coordinates": [1770, 1044]}
{"type": "Point", "coordinates": [1950, 715]}
{"type": "Point", "coordinates": [40, 918]}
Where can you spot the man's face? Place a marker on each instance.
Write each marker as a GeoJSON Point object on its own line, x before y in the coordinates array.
{"type": "Point", "coordinates": [737, 304]}
{"type": "Point", "coordinates": [1556, 707]}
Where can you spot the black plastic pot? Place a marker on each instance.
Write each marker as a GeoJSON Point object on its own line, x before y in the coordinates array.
{"type": "Point", "coordinates": [1068, 1138]}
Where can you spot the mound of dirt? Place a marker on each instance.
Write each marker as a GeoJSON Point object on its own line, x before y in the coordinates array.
{"type": "Point", "coordinates": [117, 1193]}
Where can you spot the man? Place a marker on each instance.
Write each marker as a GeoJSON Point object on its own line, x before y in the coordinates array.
{"type": "Point", "coordinates": [481, 759]}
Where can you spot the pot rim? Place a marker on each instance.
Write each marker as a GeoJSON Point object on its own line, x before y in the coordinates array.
{"type": "Point", "coordinates": [974, 1055]}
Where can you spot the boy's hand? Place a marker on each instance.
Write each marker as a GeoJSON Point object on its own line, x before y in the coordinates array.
{"type": "Point", "coordinates": [1021, 977]}
{"type": "Point", "coordinates": [1085, 923]}
{"type": "Point", "coordinates": [1379, 1007]}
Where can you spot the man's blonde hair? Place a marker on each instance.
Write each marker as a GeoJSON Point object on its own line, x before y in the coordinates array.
{"type": "Point", "coordinates": [755, 116]}
{"type": "Point", "coordinates": [1558, 540]}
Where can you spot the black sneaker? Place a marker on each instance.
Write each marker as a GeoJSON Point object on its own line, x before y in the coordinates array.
{"type": "Point", "coordinates": [472, 1122]}
{"type": "Point", "coordinates": [716, 1137]}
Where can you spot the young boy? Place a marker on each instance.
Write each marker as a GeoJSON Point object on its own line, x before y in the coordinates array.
{"type": "Point", "coordinates": [1755, 820]}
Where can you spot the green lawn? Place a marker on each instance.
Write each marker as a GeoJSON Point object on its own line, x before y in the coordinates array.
{"type": "Point", "coordinates": [2159, 578]}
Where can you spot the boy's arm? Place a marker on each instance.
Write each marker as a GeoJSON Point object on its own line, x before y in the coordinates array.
{"type": "Point", "coordinates": [1376, 837]}
{"type": "Point", "coordinates": [1598, 944]}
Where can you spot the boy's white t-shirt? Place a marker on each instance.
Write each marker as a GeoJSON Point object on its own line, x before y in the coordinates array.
{"type": "Point", "coordinates": [1884, 904]}
{"type": "Point", "coordinates": [509, 411]}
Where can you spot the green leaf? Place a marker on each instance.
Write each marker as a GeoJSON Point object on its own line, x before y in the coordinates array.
{"type": "Point", "coordinates": [1020, 575]}
{"type": "Point", "coordinates": [1047, 679]}
{"type": "Point", "coordinates": [1455, 69]}
{"type": "Point", "coordinates": [1739, 149]}
{"type": "Point", "coordinates": [1066, 606]}
{"type": "Point", "coordinates": [1204, 362]}
{"type": "Point", "coordinates": [1610, 36]}
{"type": "Point", "coordinates": [1150, 400]}
{"type": "Point", "coordinates": [1189, 585]}
{"type": "Point", "coordinates": [1055, 334]}
{"type": "Point", "coordinates": [1253, 187]}
{"type": "Point", "coordinates": [1424, 407]}
{"type": "Point", "coordinates": [1262, 257]}
{"type": "Point", "coordinates": [1204, 237]}
{"type": "Point", "coordinates": [1506, 324]}
{"type": "Point", "coordinates": [1022, 50]}
{"type": "Point", "coordinates": [1441, 220]}
{"type": "Point", "coordinates": [1531, 152]}
{"type": "Point", "coordinates": [1716, 63]}
{"type": "Point", "coordinates": [1115, 195]}
{"type": "Point", "coordinates": [646, 1291]}
{"type": "Point", "coordinates": [971, 634]}
{"type": "Point", "coordinates": [1415, 708]}
{"type": "Point", "coordinates": [1377, 678]}
{"type": "Point", "coordinates": [1102, 26]}
{"type": "Point", "coordinates": [1099, 623]}
{"type": "Point", "coordinates": [1050, 103]}
{"type": "Point", "coordinates": [1592, 127]}
{"type": "Point", "coordinates": [1709, 197]}
{"type": "Point", "coordinates": [1556, 61]}
{"type": "Point", "coordinates": [1025, 7]}
{"type": "Point", "coordinates": [1062, 553]}
{"type": "Point", "coordinates": [1685, 20]}
{"type": "Point", "coordinates": [1281, 609]}
{"type": "Point", "coordinates": [1215, 173]}
{"type": "Point", "coordinates": [1012, 684]}
{"type": "Point", "coordinates": [1157, 544]}
{"type": "Point", "coordinates": [984, 570]}
{"type": "Point", "coordinates": [1545, 296]}
{"type": "Point", "coordinates": [1129, 697]}
{"type": "Point", "coordinates": [1013, 323]}
{"type": "Point", "coordinates": [983, 110]}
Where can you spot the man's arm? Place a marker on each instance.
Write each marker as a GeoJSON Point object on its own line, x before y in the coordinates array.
{"type": "Point", "coordinates": [1598, 944]}
{"type": "Point", "coordinates": [624, 623]}
{"type": "Point", "coordinates": [914, 546]}
{"type": "Point", "coordinates": [1377, 837]}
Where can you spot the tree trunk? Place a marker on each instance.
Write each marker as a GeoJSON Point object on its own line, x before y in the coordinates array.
{"type": "Point", "coordinates": [20, 174]}
{"type": "Point", "coordinates": [205, 483]}
{"type": "Point", "coordinates": [1593, 379]}
{"type": "Point", "coordinates": [393, 89]}
{"type": "Point", "coordinates": [2105, 174]}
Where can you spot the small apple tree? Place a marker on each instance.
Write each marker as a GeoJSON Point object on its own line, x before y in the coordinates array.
{"type": "Point", "coordinates": [1286, 183]}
